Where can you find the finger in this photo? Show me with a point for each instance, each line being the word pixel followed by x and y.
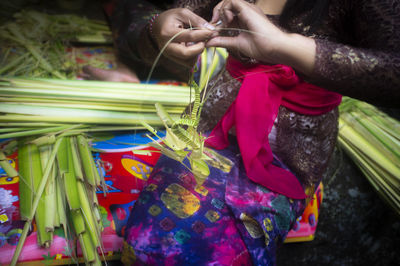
pixel 118 74
pixel 215 16
pixel 92 73
pixel 184 52
pixel 225 42
pixel 194 36
pixel 86 76
pixel 235 7
pixel 227 14
pixel 192 20
pixel 238 7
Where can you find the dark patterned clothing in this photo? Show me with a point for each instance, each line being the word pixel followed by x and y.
pixel 357 54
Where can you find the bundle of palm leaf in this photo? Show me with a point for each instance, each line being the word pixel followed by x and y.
pixel 372 139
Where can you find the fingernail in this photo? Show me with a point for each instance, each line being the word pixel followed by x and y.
pixel 208 26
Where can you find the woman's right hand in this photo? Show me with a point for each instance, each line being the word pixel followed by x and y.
pixel 185 47
pixel 260 39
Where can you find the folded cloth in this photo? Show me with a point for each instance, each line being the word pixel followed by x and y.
pixel 264 88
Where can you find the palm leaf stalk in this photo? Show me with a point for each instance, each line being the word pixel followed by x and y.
pixel 40 106
pixel 372 139
pixel 39 191
pixel 62 194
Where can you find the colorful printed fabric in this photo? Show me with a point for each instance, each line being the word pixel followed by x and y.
pixel 229 220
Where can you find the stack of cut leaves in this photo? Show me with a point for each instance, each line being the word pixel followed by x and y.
pixel 58 179
pixel 372 139
pixel 37 106
pixel 34 44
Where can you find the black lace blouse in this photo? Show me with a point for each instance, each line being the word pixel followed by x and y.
pixel 357 55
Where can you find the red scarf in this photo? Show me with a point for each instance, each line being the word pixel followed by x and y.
pixel 264 88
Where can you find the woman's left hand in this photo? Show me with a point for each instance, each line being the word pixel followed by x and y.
pixel 187 44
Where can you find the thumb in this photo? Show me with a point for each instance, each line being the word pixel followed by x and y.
pixel 215 15
pixel 192 19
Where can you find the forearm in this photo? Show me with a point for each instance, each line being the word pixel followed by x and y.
pixel 297 51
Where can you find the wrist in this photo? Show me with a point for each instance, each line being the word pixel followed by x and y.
pixel 278 50
pixel 297 51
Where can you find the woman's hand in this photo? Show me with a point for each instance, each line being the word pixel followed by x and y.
pixel 260 39
pixel 185 48
pixel 120 74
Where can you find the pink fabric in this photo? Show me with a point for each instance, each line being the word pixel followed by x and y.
pixel 264 88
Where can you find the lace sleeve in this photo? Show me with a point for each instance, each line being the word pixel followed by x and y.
pixel 369 68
